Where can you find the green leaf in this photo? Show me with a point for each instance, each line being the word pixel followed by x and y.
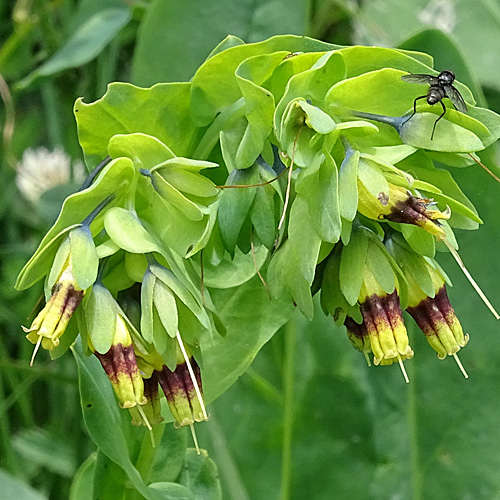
pixel 83 482
pixel 127 231
pixel 229 273
pixel 448 136
pixel 169 457
pixel 84 45
pixel 225 359
pixel 100 316
pixel 235 205
pixel 200 475
pixel 109 479
pixel 259 109
pixel 352 264
pixel 310 84
pixel 214 84
pixel 320 188
pixel 162 111
pixel 15 489
pixel 359 60
pixel 172 491
pixel 300 132
pixel 112 180
pixel 292 268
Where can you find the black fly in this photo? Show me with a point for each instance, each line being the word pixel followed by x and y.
pixel 440 87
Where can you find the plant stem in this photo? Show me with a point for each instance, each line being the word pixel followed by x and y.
pixel 416 475
pixel 52 113
pixel 228 469
pixel 288 410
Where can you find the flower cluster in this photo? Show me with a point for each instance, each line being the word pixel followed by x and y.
pixel 322 184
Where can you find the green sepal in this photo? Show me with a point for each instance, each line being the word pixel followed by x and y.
pixel 60 259
pixel 262 215
pixel 419 239
pixel 352 264
pixel 348 192
pixel 84 258
pixel 413 264
pixel 184 175
pixel 169 194
pixel 378 262
pixel 184 295
pixel 100 317
pixel 164 302
pixel 147 306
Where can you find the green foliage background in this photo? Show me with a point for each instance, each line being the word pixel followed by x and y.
pixel 308 419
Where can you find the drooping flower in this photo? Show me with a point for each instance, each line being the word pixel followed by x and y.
pixel 383 320
pixel 435 316
pixel 184 392
pixel 399 205
pixel 52 320
pixel 120 365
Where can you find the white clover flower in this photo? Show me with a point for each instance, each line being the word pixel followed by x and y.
pixel 41 170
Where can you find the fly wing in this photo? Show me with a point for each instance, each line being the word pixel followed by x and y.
pixel 420 78
pixel 456 98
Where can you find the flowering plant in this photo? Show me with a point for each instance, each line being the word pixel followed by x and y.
pixel 284 168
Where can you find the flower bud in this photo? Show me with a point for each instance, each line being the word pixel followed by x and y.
pixel 181 393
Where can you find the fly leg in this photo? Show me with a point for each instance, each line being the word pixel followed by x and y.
pixel 415 107
pixel 440 116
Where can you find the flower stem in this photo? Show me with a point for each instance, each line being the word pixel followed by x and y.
pixel 288 410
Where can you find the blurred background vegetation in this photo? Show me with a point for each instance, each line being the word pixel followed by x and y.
pixel 349 432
